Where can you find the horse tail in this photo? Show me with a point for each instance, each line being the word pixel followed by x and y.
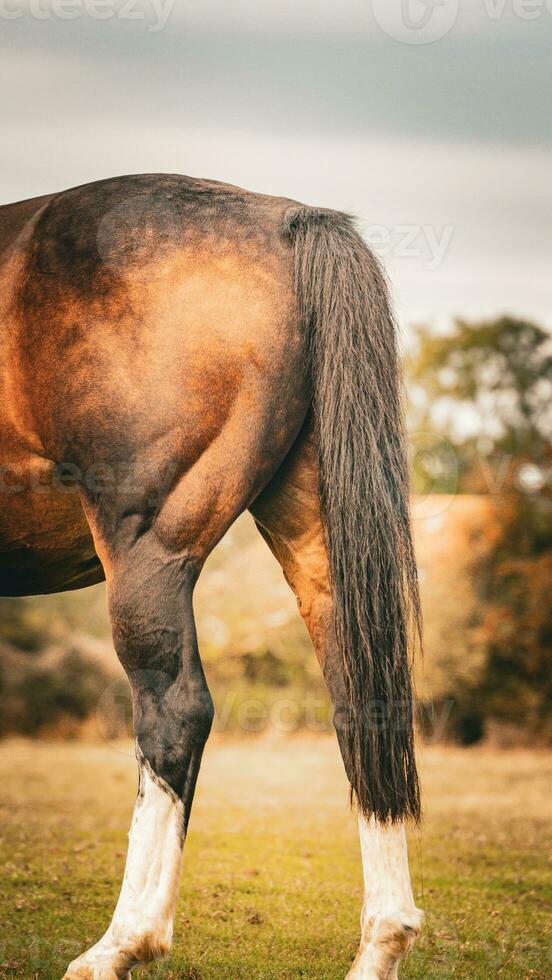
pixel 364 490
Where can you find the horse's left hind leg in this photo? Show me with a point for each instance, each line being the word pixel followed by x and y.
pixel 390 922
pixel 288 516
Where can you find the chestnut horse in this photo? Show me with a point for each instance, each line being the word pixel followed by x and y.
pixel 173 352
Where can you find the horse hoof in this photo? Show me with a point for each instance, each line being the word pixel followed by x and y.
pixel 84 971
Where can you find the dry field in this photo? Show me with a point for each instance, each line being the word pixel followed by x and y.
pixel 272 877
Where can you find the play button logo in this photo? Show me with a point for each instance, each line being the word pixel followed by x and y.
pixel 415 21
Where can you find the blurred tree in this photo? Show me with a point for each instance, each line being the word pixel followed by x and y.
pixel 25 624
pixel 32 623
pixel 515 585
pixel 38 693
pixel 482 398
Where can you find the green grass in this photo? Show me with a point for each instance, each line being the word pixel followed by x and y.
pixel 272 877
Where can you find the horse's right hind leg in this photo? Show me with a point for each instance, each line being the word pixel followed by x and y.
pixel 150 598
pixel 288 516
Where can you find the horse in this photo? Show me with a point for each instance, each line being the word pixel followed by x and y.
pixel 174 352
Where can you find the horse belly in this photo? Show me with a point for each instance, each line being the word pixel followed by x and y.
pixel 45 541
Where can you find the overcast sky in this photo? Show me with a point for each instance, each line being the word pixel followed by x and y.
pixel 437 135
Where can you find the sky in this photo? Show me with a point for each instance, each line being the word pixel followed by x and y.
pixel 428 119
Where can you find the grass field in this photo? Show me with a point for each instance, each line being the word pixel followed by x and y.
pixel 272 876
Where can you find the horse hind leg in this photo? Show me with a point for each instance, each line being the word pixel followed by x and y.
pixel 390 921
pixel 288 516
pixel 150 600
pixel 152 556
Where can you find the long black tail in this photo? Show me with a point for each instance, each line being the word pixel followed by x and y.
pixel 364 488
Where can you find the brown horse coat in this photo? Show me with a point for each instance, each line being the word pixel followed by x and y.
pixel 151 356
pixel 163 341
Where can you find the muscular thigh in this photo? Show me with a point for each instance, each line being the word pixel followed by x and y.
pixel 288 515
